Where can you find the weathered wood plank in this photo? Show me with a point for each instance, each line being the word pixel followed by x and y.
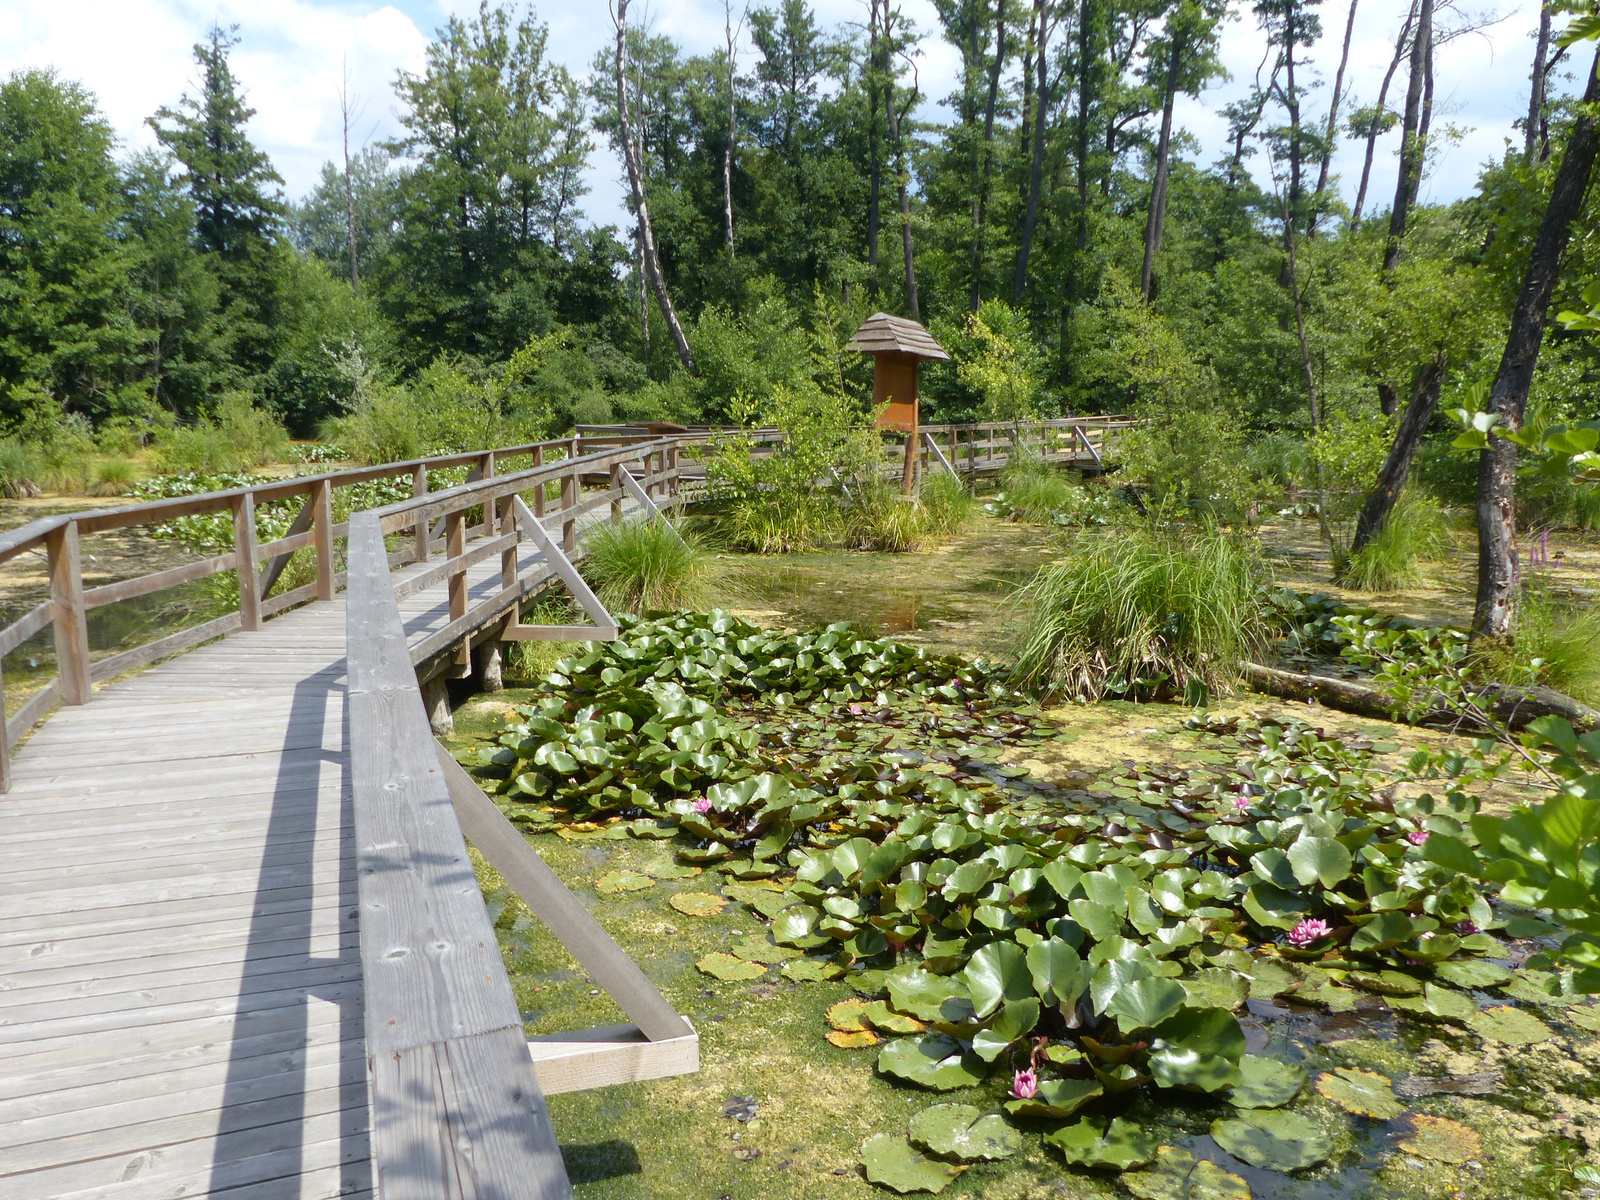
pixel 611 1054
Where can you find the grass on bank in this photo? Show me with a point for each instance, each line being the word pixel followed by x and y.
pixel 1145 608
pixel 640 566
pixel 1558 644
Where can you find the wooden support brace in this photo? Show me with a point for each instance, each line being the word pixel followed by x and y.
pixel 302 522
pixel 939 454
pixel 605 623
pixel 631 485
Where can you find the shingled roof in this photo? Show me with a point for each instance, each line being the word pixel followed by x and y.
pixel 883 334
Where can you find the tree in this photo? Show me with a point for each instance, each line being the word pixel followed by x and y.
pixel 1413 136
pixel 1043 19
pixel 1371 123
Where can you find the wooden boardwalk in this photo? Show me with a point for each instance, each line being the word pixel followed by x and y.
pixel 180 978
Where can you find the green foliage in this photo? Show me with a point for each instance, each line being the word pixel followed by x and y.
pixel 113 476
pixel 19 469
pixel 1415 534
pixel 237 436
pixel 880 517
pixel 1145 608
pixel 946 502
pixel 1558 643
pixel 1193 455
pixel 639 566
pixel 1005 367
pixel 1036 491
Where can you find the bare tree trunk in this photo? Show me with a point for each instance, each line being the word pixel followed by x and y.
pixel 980 204
pixel 1041 108
pixel 1085 83
pixel 349 187
pixel 1409 179
pixel 733 129
pixel 1541 49
pixel 903 172
pixel 1508 398
pixel 875 171
pixel 1156 217
pixel 1397 466
pixel 1332 131
pixel 630 157
pixel 1383 95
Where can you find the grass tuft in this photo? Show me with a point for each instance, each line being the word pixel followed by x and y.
pixel 1558 644
pixel 1036 489
pixel 19 469
pixel 773 529
pixel 1168 608
pixel 947 503
pixel 643 566
pixel 1415 535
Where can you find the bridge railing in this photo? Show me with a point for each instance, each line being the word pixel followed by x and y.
pixel 985 446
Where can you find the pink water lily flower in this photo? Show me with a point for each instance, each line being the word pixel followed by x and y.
pixel 1417 837
pixel 1026 1085
pixel 1242 802
pixel 1467 927
pixel 701 805
pixel 1313 929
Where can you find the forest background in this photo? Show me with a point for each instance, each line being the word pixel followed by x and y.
pixel 1057 233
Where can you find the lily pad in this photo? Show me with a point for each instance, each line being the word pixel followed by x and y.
pixel 727 967
pixel 766 901
pixel 699 904
pixel 1513 1026
pixel 881 1017
pixel 1585 1016
pixel 1472 973
pixel 811 970
pixel 613 882
pixel 895 1163
pixel 1279 1141
pixel 1442 1140
pixel 756 948
pixel 1440 1003
pixel 1267 1082
pixel 1216 987
pixel 1178 1175
pixel 1365 1093
pixel 963 1132
pixel 1145 1002
pixel 1056 1098
pixel 846 1015
pixel 936 1062
pixel 928 997
pixel 857 1039
pixel 1117 1146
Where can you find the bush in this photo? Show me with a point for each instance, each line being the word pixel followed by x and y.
pixel 768 528
pixel 1035 491
pixel 1143 609
pixel 113 477
pixel 19 469
pixel 880 517
pixel 1415 534
pixel 1558 643
pixel 236 437
pixel 946 501
pixel 642 566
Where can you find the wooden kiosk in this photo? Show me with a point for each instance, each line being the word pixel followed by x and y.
pixel 897 345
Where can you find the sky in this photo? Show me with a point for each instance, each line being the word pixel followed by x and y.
pixel 136 55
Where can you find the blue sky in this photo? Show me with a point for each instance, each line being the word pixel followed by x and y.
pixel 135 55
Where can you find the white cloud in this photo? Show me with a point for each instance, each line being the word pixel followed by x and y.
pixel 136 56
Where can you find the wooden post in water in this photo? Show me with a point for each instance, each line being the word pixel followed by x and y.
pixel 897 346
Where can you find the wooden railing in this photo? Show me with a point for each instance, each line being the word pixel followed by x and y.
pixel 983 447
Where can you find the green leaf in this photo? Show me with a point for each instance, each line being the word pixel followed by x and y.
pixel 1267 1082
pixel 727 967
pixel 1057 1098
pixel 996 973
pixel 1267 1137
pixel 1198 1049
pixel 1450 852
pixel 1365 1093
pixel 1384 931
pixel 963 1132
pixel 1059 974
pixel 1215 987
pixel 1472 972
pixel 1512 1026
pixel 797 926
pixel 1016 1020
pixel 1178 1175
pixel 1097 920
pixel 1319 860
pixel 1274 908
pixel 936 1062
pixel 1438 1002
pixel 894 1163
pixel 1117 1146
pixel 1144 1003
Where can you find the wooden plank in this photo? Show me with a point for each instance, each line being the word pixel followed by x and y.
pixel 452 567
pixel 595 1058
pixel 143 585
pixel 31 713
pixel 244 548
pixel 323 527
pixel 508 852
pixel 300 595
pixel 25 626
pixel 72 629
pixel 557 633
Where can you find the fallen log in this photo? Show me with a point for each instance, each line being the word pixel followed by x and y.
pixel 1515 706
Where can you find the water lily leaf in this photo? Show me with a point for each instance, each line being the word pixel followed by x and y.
pixel 1215 987
pixel 997 973
pixel 1384 931
pixel 852 1040
pixel 894 1163
pixel 756 948
pixel 1319 860
pixel 1513 1026
pixel 698 904
pixel 1198 1049
pixel 1442 1140
pixel 1016 1020
pixel 812 970
pixel 1178 1175
pixel 766 901
pixel 1585 1016
pixel 1118 1145
pixel 1269 1137
pixel 1386 983
pixel 1365 1093
pixel 1056 1098
pixel 1267 1082
pixel 848 1016
pixel 1097 920
pixel 1472 973
pixel 797 926
pixel 1273 907
pixel 1112 976
pixel 1438 1002
pixel 1144 1003
pixel 881 1017
pixel 928 997
pixel 963 1132
pixel 935 1061
pixel 1330 996
pixel 613 882
pixel 727 967
pixel 1059 974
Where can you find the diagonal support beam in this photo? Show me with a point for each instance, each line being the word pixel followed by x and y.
pixel 605 624
pixel 943 461
pixel 632 487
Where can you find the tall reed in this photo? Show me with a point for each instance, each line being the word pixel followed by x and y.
pixel 641 566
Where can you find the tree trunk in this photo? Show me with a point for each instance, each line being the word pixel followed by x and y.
pixel 1409 178
pixel 1397 466
pixel 875 169
pixel 980 205
pixel 350 200
pixel 903 173
pixel 1291 102
pixel 1383 95
pixel 647 237
pixel 1158 188
pixel 1332 131
pixel 1388 402
pixel 1497 466
pixel 1541 49
pixel 1085 85
pixel 733 130
pixel 1041 106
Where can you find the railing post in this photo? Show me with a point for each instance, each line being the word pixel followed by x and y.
pixel 244 553
pixel 569 501
pixel 419 487
pixel 69 615
pixel 455 546
pixel 322 538
pixel 538 491
pixel 616 486
pixel 672 465
pixel 486 471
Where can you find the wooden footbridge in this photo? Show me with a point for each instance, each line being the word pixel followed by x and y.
pixel 242 949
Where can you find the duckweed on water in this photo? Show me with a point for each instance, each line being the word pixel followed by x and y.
pixel 1074 961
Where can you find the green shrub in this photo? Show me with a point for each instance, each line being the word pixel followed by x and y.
pixel 19 469
pixel 946 502
pixel 1035 489
pixel 642 566
pixel 1415 534
pixel 767 528
pixel 1558 643
pixel 1145 608
pixel 235 437
pixel 113 477
pixel 880 517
